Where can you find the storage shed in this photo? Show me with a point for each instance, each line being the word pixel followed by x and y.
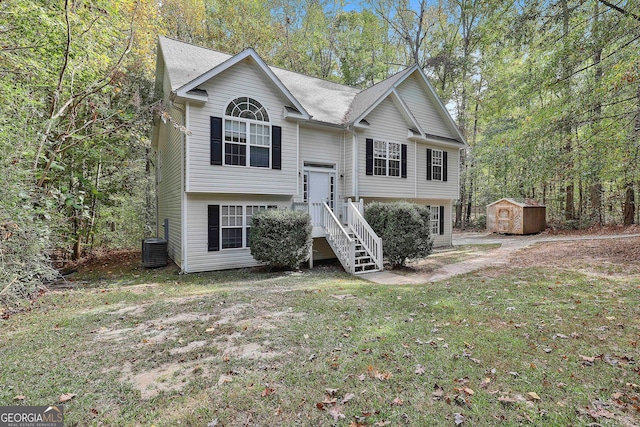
pixel 512 217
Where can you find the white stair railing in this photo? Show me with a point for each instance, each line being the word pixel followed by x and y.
pixel 342 244
pixel 364 233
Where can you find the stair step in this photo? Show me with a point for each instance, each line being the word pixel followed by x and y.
pixel 366 264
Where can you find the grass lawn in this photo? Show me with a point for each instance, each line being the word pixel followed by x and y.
pixel 515 346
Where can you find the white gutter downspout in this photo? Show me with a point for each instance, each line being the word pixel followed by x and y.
pixel 415 169
pixel 354 163
pixel 183 194
pixel 298 159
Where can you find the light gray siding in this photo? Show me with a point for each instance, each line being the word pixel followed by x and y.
pixel 438 189
pixel 198 257
pixel 440 240
pixel 416 96
pixel 322 145
pixel 244 79
pixel 169 190
pixel 387 124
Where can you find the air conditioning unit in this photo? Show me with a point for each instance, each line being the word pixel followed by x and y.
pixel 154 252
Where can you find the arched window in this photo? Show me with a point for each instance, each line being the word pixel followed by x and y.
pixel 246 123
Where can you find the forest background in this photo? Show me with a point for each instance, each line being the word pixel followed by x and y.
pixel 547 93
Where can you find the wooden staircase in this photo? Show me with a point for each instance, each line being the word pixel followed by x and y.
pixel 363 261
pixel 356 245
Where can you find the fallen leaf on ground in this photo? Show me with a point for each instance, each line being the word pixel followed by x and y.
pixel 347 397
pixel 397 402
pixel 267 392
pixel 336 413
pixel 458 418
pixel 586 360
pixel 331 391
pixel 468 391
pixel 600 413
pixel 419 370
pixel 437 393
pixel 19 397
pixel 382 375
pixel 66 397
pixel 533 395
pixel 506 399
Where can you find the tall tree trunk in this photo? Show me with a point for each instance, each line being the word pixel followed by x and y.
pixel 595 190
pixel 629 208
pixel 569 207
pixel 629 199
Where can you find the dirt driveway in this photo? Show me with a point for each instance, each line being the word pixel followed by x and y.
pixel 620 251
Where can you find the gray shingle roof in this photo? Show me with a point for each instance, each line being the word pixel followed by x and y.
pixel 325 101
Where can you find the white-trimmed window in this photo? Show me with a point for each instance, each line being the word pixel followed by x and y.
pixel 436 165
pixel 247 134
pixel 231 226
pixel 386 158
pixel 235 224
pixel 435 220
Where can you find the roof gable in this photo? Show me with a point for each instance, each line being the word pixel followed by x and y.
pixel 370 98
pixel 528 203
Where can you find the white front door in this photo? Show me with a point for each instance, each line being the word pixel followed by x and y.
pixel 319 190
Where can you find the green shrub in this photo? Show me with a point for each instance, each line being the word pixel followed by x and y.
pixel 281 238
pixel 404 227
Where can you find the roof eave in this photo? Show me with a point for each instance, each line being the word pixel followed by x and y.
pixel 249 53
pixel 450 122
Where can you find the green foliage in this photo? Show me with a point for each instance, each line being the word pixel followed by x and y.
pixel 281 238
pixel 404 227
pixel 25 237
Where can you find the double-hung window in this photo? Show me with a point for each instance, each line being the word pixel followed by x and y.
pixel 386 158
pixel 435 220
pixel 230 225
pixel 247 134
pixel 436 165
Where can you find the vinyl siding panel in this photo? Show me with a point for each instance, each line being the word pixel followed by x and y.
pixel 319 145
pixel 244 79
pixel 387 124
pixel 199 258
pixel 169 187
pixel 438 189
pixel 414 93
pixel 443 240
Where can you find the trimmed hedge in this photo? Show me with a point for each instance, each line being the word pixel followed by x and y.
pixel 404 227
pixel 281 238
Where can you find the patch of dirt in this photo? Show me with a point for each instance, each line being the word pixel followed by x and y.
pixel 232 330
pixel 112 263
pixel 611 255
pixel 169 376
pixel 592 231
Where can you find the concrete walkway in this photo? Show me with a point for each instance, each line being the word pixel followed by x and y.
pixel 494 258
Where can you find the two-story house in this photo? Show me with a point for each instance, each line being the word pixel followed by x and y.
pixel 241 136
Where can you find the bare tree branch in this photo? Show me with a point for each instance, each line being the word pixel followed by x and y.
pixel 621 10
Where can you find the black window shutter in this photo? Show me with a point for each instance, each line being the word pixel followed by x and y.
pixel 441 220
pixel 276 147
pixel 213 220
pixel 429 164
pixel 369 156
pixel 403 161
pixel 216 140
pixel 444 165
